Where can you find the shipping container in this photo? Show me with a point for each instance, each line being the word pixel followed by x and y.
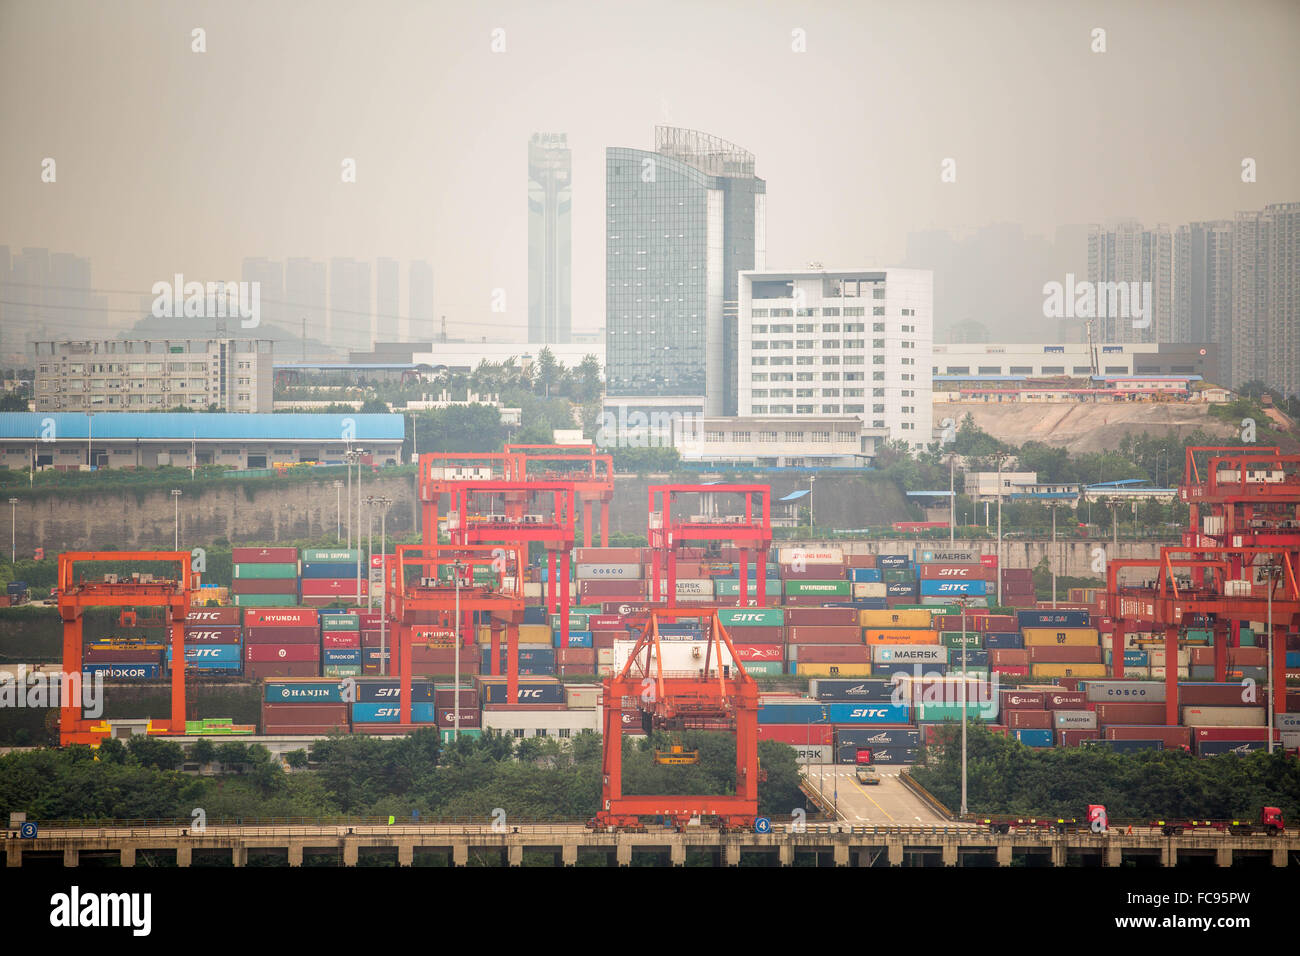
pixel 263 571
pixel 823 669
pixel 264 556
pixel 1151 692
pixel 885 756
pixel 870 738
pixel 1223 716
pixel 807 735
pixel 1067 670
pixel 829 654
pixel 1215 748
pixel 1051 619
pixel 895 619
pixel 213 635
pixel 1128 713
pixel 945 556
pixel 745 618
pixel 1016 699
pixel 1035 738
pixel 1025 719
pixel 818 588
pixel 901 636
pixel 760 652
pixel 609 556
pixel 1003 640
pixel 865 575
pixel 282 617
pixel 867 713
pixel 851 690
pixel 282 635
pixel 910 654
pixel 317 713
pixel 975 588
pixel 952 572
pixel 266 586
pixel 422 713
pixel 794 556
pixel 1074 719
pixel 985 709
pixel 216 617
pixel 1009 657
pixel 124 671
pixel 263 653
pixel 1046 654
pixel 821 617
pixel 730 587
pixel 851 634
pixel 1063 636
pixel 263 670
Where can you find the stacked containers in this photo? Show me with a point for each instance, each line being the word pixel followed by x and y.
pixel 758 634
pixel 265 577
pixel 1017 587
pixel 1061 644
pixel 330 576
pixel 123 660
pixel 213 640
pixel 609 574
pixel 378 704
pixel 281 643
pixel 1220 720
pixel 304 707
pixel 471 717
pixel 340 640
pixel 826 642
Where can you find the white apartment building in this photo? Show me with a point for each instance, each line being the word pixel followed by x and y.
pixel 153 375
pixel 818 441
pixel 817 343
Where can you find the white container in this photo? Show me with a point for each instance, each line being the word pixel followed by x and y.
pixel 1224 717
pixel 678 656
pixel 604 572
pixel 868 589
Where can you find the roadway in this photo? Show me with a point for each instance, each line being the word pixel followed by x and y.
pixel 887 803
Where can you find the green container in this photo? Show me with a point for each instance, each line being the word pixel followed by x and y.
pixel 730 587
pixel 751 617
pixel 263 571
pixel 448 733
pixel 341 670
pixel 818 588
pixel 330 555
pixel 577 621
pixel 266 600
pixel 340 622
pixel 1248 638
pixel 764 668
pixel 985 710
pixel 954 639
pixel 483 573
pixel 898 575
pixel 981 672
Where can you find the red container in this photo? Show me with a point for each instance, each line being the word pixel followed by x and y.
pixel 214 616
pixel 213 635
pixel 281 617
pixel 263 555
pixel 1130 714
pixel 340 639
pixel 757 635
pixel 952 572
pixel 368 618
pixel 627 589
pixel 1013 699
pixel 992 622
pixel 1050 654
pixel 833 653
pixel 605 622
pixel 301 730
pixel 575 656
pixel 989 560
pixel 263 653
pixel 1009 656
pixel 318 714
pixel 333 587
pixel 820 617
pixel 1028 719
pixel 823 635
pixel 811 572
pixel 264 586
pixel 608 556
pixel 281 635
pixel 1212 695
pixel 263 670
pixel 445 656
pixel 760 652
pixel 606 639
pixel 1073 738
pixel 1054 699
pixel 798 735
pixel 446 697
pixel 1174 738
pixel 468 718
pixel 1012 670
pixel 1233 733
pixel 1248 657
pixel 859 560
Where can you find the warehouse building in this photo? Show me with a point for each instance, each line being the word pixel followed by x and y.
pixel 78 441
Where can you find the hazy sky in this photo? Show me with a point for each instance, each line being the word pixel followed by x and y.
pixel 174 161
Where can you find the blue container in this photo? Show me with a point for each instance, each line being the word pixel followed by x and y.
pixel 124 671
pixel 1215 748
pixel 1003 640
pixel 319 569
pixel 870 713
pixel 1136 659
pixel 1052 618
pixel 861 604
pixel 811 712
pixel 901 589
pixel 387 690
pixel 1293 658
pixel 303 692
pixel 938 588
pixel 865 575
pixel 371 656
pixel 886 737
pixel 576 639
pixel 887 670
pixel 341 655
pixel 1035 738
pixel 975 657
pixel 839 688
pixel 893 561
pixel 879 755
pixel 536 614
pixel 529 692
pixel 207 654
pixel 421 713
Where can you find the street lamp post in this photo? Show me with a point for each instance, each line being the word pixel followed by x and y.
pixel 1054 556
pixel 963 703
pixel 13 531
pixel 1273 570
pixel 358 453
pixel 456 568
pixel 347 460
pixel 338 509
pixel 176 519
pixel 90 445
pixel 1001 458
pixel 952 501
pixel 371 503
pixel 382 502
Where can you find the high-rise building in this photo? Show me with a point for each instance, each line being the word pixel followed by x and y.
pixel 47 294
pixel 420 288
pixel 550 253
pixel 386 300
pixel 819 342
pixel 1266 297
pixel 305 299
pixel 270 278
pixel 681 223
pixel 1128 253
pixel 1203 286
pixel 350 310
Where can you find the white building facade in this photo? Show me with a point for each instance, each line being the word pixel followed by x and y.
pixel 818 343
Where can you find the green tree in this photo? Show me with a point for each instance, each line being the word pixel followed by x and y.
pixel 153 752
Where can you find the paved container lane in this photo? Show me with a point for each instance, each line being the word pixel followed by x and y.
pixel 888 803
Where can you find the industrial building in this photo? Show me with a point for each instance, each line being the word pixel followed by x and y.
pixel 833 441
pixel 984 360
pixel 75 441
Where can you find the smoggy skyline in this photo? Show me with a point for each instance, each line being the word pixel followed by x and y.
pixel 169 160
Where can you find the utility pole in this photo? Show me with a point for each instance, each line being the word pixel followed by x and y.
pixel 359 452
pixel 1272 571
pixel 952 501
pixel 13 531
pixel 963 701
pixel 1001 458
pixel 382 502
pixel 456 569
pixel 1054 556
pixel 176 517
pixel 338 509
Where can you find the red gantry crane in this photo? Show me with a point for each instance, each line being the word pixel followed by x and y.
pixel 751 532
pixel 590 472
pixel 681 685
pixel 422 599
pixel 172 595
pixel 441 472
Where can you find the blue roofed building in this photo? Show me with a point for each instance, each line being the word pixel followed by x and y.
pixel 75 440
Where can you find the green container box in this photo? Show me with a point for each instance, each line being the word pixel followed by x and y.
pixel 263 571
pixel 954 639
pixel 577 621
pixel 898 575
pixel 341 670
pixel 818 588
pixel 730 587
pixel 980 672
pixel 985 710
pixel 1248 638
pixel 340 622
pixel 448 733
pixel 330 555
pixel 483 573
pixel 266 600
pixel 740 618
pixel 764 668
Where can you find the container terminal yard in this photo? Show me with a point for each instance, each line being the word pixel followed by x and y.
pixel 506 624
